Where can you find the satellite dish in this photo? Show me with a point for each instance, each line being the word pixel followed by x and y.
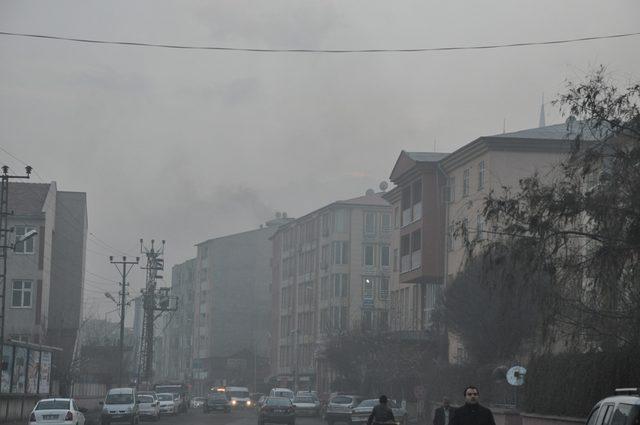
pixel 383 185
pixel 515 375
pixel 370 192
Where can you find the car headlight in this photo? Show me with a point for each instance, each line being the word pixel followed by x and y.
pixel 233 402
pixel 248 402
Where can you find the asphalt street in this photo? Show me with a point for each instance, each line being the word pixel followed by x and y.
pixel 242 417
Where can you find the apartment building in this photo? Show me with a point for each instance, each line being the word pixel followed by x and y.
pixel 176 330
pixel 232 305
pixel 45 274
pixel 418 238
pixel 331 275
pixel 491 164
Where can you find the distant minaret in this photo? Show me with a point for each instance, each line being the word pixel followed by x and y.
pixel 541 123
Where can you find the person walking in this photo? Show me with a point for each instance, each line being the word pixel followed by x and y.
pixel 444 413
pixel 472 413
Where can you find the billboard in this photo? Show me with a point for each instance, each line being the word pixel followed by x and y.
pixel 19 378
pixel 33 369
pixel 45 372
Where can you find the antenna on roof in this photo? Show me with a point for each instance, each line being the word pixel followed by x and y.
pixel 542 121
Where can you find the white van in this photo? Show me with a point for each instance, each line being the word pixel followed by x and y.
pixel 120 405
pixel 282 392
pixel 238 396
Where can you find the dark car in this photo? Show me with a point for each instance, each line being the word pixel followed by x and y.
pixel 278 410
pixel 216 402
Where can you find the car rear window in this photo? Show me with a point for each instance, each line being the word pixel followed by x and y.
pixel 304 400
pixel 341 400
pixel 165 397
pixel 53 405
pixel 278 401
pixel 119 399
pixel 625 414
pixel 145 399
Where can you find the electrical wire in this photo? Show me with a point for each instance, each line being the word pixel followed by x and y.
pixel 330 51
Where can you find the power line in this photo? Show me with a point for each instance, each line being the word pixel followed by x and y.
pixel 339 51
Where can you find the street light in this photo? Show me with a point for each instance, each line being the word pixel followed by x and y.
pixel 23 238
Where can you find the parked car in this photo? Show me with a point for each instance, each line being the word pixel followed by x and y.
pixel 621 409
pixel 57 411
pixel 198 402
pixel 279 410
pixel 282 392
pixel 360 413
pixel 340 407
pixel 216 402
pixel 167 404
pixel 148 407
pixel 306 406
pixel 239 397
pixel 120 405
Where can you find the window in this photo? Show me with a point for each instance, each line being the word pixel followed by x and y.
pixel 416 197
pixel 625 414
pixel 340 286
pixel 383 320
pixel 340 252
pixel 406 205
pixel 396 217
pixel 465 227
pixel 395 259
pixel 22 293
pixel 325 224
pixel 384 256
pixel 367 288
pixel 450 238
pixel 386 222
pixel 25 247
pixel 481 175
pixel 339 223
pixel 480 227
pixel 384 288
pixel 324 288
pixel 405 253
pixel 465 182
pixel 451 189
pixel 204 251
pixel 369 223
pixel 367 320
pixel 416 249
pixel 369 255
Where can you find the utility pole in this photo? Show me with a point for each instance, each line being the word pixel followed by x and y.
pixel 4 234
pixel 124 269
pixel 151 305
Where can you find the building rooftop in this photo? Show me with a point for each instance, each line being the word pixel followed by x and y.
pixel 368 199
pixel 27 198
pixel 566 131
pixel 426 156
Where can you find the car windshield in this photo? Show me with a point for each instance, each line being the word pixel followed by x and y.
pixel 145 399
pixel 626 414
pixel 217 396
pixel 341 400
pixel 278 401
pixel 304 400
pixel 287 394
pixel 239 394
pixel 53 405
pixel 119 399
pixel 165 397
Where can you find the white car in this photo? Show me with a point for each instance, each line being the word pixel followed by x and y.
pixel 148 407
pixel 306 406
pixel 167 404
pixel 54 411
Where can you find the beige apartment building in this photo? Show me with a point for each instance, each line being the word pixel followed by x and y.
pixel 490 164
pixel 331 272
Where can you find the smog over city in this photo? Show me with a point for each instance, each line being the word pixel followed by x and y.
pixel 333 198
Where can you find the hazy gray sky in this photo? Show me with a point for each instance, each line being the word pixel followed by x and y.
pixel 189 145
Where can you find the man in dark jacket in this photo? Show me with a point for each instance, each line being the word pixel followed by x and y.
pixel 381 412
pixel 443 414
pixel 472 413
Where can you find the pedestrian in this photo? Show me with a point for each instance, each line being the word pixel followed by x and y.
pixel 444 413
pixel 472 413
pixel 382 413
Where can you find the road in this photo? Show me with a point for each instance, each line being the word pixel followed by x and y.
pixel 242 417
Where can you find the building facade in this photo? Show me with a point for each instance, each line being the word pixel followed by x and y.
pixel 331 271
pixel 491 164
pixel 419 223
pixel 176 330
pixel 232 306
pixel 45 274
